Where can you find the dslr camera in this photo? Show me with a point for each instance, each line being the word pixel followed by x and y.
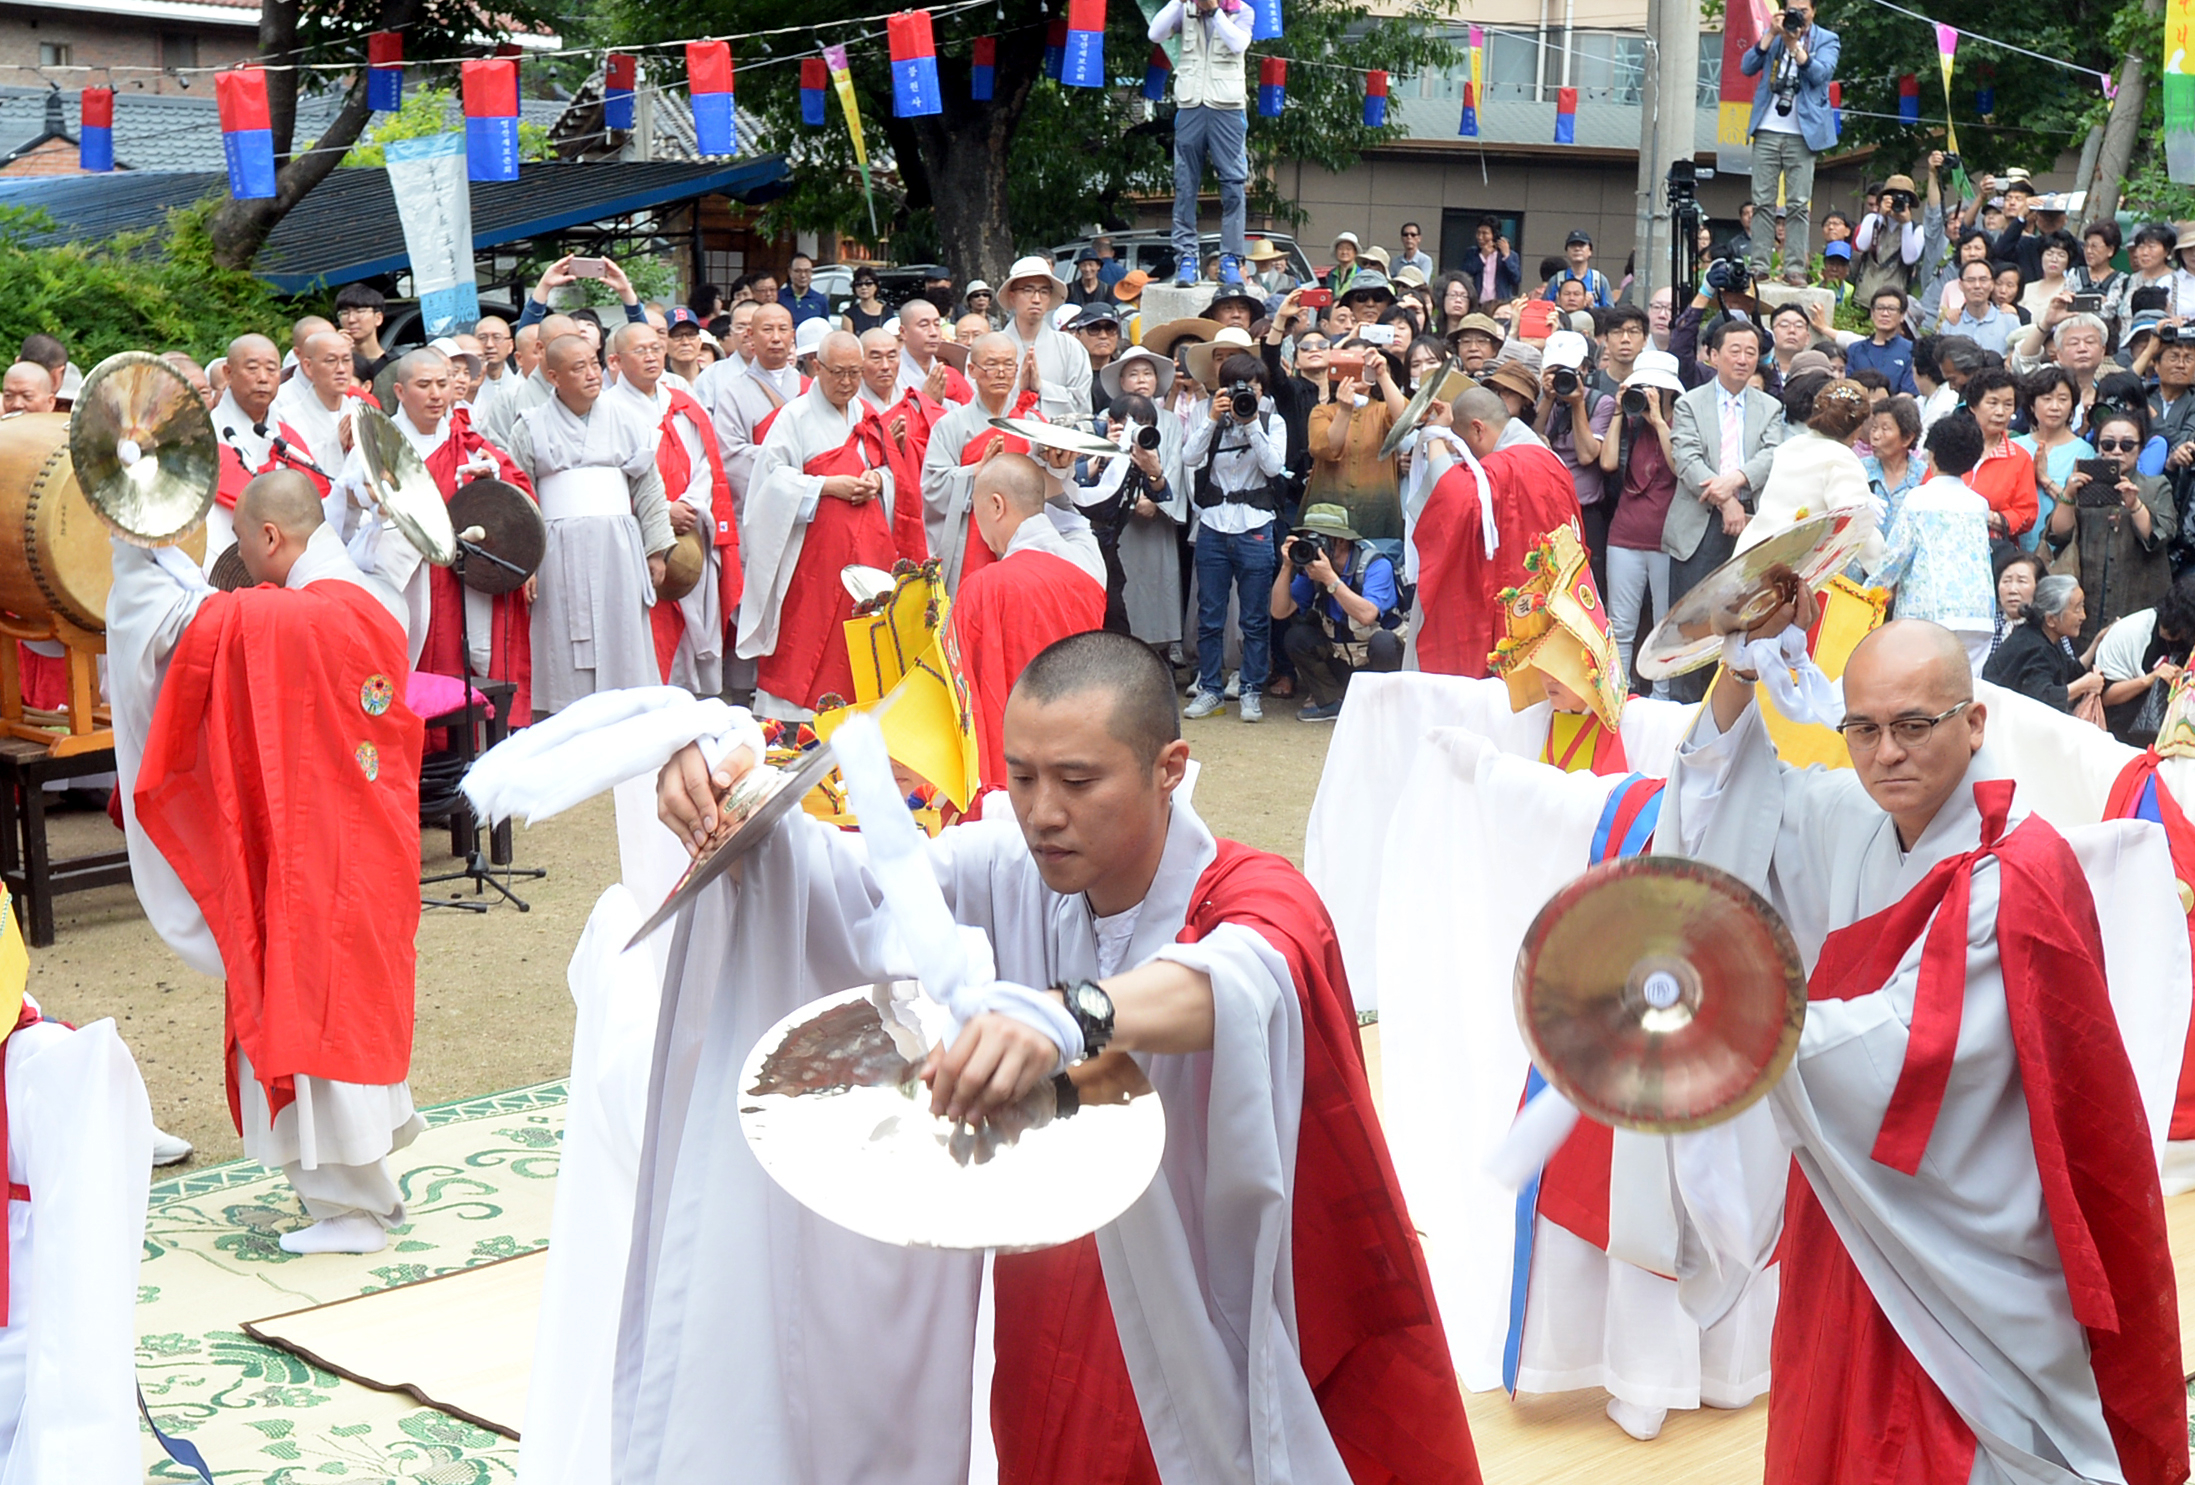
pixel 1305 550
pixel 1729 276
pixel 1794 21
pixel 1951 163
pixel 1897 201
pixel 1240 399
pixel 1564 381
pixel 1146 437
pixel 1634 402
pixel 2168 335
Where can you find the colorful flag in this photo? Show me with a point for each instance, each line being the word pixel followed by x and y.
pixel 1741 31
pixel 247 136
pixel 95 130
pixel 1947 46
pixel 1375 99
pixel 1272 86
pixel 2179 91
pixel 1468 126
pixel 1909 99
pixel 1836 106
pixel 1265 21
pixel 914 65
pixel 619 72
pixel 1566 115
pixel 490 86
pixel 982 73
pixel 1985 101
pixel 814 78
pixel 1154 75
pixel 1084 64
pixel 709 84
pixel 1055 48
pixel 385 71
pixel 1478 60
pixel 434 206
pixel 842 79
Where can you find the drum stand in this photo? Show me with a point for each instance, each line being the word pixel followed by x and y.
pixel 476 869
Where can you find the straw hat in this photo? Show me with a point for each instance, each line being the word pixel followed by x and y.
pixel 1264 251
pixel 1206 357
pixel 1169 335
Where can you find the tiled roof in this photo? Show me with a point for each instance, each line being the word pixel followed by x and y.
pixel 175 131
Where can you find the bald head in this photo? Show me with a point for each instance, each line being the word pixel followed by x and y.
pixel 553 326
pixel 1119 669
pixel 26 388
pixel 324 360
pixel 1479 415
pixel 770 336
pixel 564 351
pixel 570 366
pixel 305 329
pixel 254 375
pixel 880 363
pixel 1927 659
pixel 1913 676
pixel 838 366
pixel 1015 478
pixel 526 349
pixel 276 515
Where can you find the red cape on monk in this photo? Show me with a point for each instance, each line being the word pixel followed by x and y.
pixel 1367 1329
pixel 2139 793
pixel 281 781
pixel 810 660
pixel 974 554
pixel 510 630
pixel 666 620
pixel 1459 586
pixel 1851 1404
pixel 1002 616
pixel 234 476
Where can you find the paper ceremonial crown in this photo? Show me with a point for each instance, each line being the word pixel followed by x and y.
pixel 1557 624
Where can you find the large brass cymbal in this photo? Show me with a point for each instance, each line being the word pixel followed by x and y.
pixel 143 448
pixel 511 528
pixel 1445 383
pixel 1748 588
pixel 834 1110
pixel 1660 994
pixel 406 492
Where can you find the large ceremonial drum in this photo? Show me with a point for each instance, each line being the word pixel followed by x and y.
pixel 54 558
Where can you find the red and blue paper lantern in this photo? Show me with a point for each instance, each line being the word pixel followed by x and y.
pixel 983 69
pixel 95 130
pixel 815 78
pixel 385 71
pixel 1272 86
pixel 1155 73
pixel 619 72
pixel 491 118
pixel 1375 99
pixel 1909 99
pixel 1055 48
pixel 709 84
pixel 1985 100
pixel 1566 115
pixel 1836 106
pixel 1265 20
pixel 1084 64
pixel 247 134
pixel 1468 126
pixel 914 65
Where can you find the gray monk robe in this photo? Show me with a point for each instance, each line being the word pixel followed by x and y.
pixel 603 501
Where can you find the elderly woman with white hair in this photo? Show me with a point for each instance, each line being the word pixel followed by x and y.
pixel 2037 657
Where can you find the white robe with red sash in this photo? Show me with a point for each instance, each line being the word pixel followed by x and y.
pixel 795 543
pixel 247 450
pixel 740 400
pixel 1974 1112
pixel 689 635
pixel 949 463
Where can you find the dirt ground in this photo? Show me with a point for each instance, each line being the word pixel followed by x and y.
pixel 493 1010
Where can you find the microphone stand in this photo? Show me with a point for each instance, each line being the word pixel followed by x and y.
pixel 476 869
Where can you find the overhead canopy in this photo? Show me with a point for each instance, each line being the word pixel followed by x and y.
pixel 347 228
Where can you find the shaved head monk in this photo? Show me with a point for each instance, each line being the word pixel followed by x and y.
pixel 253 436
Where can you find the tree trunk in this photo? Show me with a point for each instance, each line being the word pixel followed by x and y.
pixel 2121 132
pixel 964 156
pixel 240 228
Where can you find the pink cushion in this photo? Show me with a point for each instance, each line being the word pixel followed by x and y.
pixel 430 695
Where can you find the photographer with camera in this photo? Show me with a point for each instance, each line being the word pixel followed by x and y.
pixel 1791 124
pixel 1235 456
pixel 1210 126
pixel 1345 430
pixel 1339 618
pixel 2118 522
pixel 1134 505
pixel 1572 417
pixel 1891 242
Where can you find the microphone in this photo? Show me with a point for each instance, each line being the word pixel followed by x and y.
pixel 282 447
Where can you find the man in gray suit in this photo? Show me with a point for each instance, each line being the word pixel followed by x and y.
pixel 1724 436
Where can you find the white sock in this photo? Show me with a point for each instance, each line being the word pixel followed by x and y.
pixel 353 1232
pixel 1641 1423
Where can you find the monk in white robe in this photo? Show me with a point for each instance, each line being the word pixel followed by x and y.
pixel 1989 1295
pixel 959 442
pixel 332 1140
pixel 743 396
pixel 593 467
pixel 1049 362
pixel 318 400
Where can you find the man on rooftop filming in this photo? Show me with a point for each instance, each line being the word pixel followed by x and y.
pixel 1792 123
pixel 1209 124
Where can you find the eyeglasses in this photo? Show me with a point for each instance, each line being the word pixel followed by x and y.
pixel 1909 732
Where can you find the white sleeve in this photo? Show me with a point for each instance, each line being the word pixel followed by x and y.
pixel 2119 657
pixel 1167 21
pixel 1233 31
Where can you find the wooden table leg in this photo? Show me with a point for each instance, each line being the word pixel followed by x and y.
pixel 37 868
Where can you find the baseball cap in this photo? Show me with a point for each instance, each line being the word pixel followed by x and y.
pixel 680 317
pixel 1564 348
pixel 1578 237
pixel 1092 314
pixel 1837 250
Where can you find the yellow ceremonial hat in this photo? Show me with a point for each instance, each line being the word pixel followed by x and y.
pixel 903 647
pixel 14 966
pixel 1557 625
pixel 2176 736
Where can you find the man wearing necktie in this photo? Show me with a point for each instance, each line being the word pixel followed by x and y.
pixel 1724 436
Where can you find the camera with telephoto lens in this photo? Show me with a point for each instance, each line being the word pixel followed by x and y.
pixel 1634 402
pixel 1794 20
pixel 1563 380
pixel 1305 550
pixel 1147 437
pixel 1897 201
pixel 1729 276
pixel 1241 400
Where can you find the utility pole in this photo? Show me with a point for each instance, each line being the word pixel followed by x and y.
pixel 2122 130
pixel 643 141
pixel 1668 121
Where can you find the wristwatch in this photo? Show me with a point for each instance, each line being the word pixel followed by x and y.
pixel 1092 1010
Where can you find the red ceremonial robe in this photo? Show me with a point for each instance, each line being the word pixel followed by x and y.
pixel 510 630
pixel 289 807
pixel 666 620
pixel 2139 793
pixel 1367 1329
pixel 1851 1404
pixel 234 476
pixel 1459 586
pixel 1002 617
pixel 975 554
pixel 810 661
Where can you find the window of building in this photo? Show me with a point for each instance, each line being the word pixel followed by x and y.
pixel 178 49
pixel 1710 71
pixel 53 54
pixel 1459 232
pixel 1512 66
pixel 1605 66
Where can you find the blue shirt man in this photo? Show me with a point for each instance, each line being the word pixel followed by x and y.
pixel 1792 123
pixel 1888 351
pixel 799 294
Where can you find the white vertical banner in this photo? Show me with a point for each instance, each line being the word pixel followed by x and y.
pixel 434 202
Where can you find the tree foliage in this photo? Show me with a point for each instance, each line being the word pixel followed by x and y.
pixel 1069 157
pixel 142 291
pixel 429 111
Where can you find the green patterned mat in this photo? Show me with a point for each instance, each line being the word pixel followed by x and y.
pixel 477 1186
